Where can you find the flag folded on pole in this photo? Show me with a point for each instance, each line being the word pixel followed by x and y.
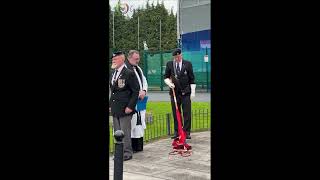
pixel 179 144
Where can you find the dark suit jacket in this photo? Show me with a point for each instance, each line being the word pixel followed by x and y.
pixel 124 93
pixel 183 80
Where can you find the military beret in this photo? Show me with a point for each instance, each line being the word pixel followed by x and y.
pixel 176 52
pixel 117 54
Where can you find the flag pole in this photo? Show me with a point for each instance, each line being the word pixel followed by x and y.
pixel 160 34
pixel 138 33
pixel 113 30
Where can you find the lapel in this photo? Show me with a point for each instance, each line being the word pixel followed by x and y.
pixel 111 77
pixel 175 73
pixel 110 80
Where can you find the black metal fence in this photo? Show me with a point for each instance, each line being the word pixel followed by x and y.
pixel 161 126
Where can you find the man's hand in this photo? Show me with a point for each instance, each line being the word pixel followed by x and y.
pixel 142 94
pixel 127 110
pixel 169 83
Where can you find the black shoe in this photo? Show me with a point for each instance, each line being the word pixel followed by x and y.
pixel 126 158
pixel 188 136
pixel 174 136
pixel 136 151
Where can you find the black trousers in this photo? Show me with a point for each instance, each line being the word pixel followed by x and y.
pixel 137 144
pixel 185 103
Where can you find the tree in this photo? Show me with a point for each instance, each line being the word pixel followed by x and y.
pixel 126 28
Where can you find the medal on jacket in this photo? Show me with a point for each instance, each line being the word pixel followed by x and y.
pixel 121 83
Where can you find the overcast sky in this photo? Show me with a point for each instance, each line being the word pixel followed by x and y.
pixel 141 3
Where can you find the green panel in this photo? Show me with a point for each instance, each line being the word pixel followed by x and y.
pixel 154 70
pixel 154 74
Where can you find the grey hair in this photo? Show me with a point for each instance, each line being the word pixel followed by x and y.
pixel 131 52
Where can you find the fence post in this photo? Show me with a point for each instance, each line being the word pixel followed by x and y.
pixel 168 124
pixel 118 156
pixel 161 69
pixel 207 71
pixel 145 61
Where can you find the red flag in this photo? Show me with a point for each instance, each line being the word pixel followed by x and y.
pixel 179 144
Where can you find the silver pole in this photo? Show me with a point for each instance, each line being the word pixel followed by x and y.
pixel 160 34
pixel 138 33
pixel 113 29
pixel 178 19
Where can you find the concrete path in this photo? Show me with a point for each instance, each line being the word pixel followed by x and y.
pixel 164 96
pixel 201 96
pixel 154 163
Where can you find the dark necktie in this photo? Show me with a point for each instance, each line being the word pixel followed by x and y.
pixel 178 68
pixel 115 77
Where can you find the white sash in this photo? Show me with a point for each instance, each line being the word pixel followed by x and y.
pixel 139 80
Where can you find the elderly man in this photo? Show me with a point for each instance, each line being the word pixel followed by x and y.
pixel 179 76
pixel 124 95
pixel 138 123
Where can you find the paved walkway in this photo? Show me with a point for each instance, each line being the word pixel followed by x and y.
pixel 154 162
pixel 201 96
pixel 164 96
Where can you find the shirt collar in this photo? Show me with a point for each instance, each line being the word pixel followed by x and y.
pixel 180 63
pixel 120 68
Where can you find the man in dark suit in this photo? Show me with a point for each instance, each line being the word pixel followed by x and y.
pixel 179 76
pixel 124 95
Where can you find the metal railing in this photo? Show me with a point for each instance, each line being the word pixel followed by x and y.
pixel 162 126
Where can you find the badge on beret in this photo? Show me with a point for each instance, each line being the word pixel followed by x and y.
pixel 176 52
pixel 121 83
pixel 117 54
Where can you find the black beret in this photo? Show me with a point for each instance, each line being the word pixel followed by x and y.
pixel 176 52
pixel 117 54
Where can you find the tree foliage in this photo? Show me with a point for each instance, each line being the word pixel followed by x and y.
pixel 126 28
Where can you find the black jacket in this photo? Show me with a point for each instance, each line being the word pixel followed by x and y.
pixel 124 93
pixel 183 80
